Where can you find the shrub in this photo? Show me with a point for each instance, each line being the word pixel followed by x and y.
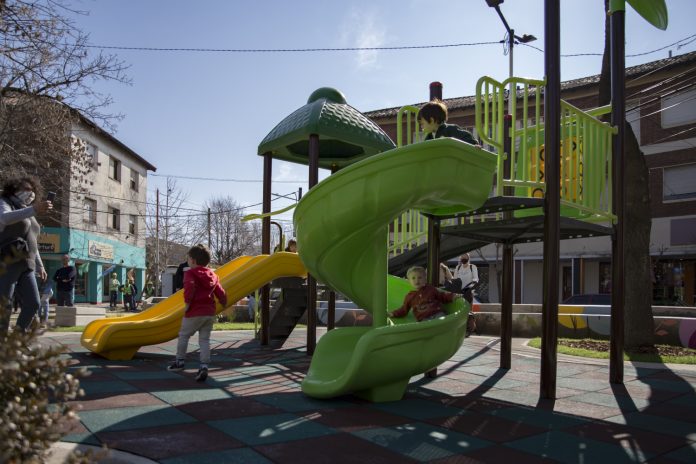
pixel 33 394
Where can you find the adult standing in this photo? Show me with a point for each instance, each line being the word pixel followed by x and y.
pixel 19 252
pixel 179 276
pixel 468 274
pixel 65 283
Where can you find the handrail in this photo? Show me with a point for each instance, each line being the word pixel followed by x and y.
pixel 410 111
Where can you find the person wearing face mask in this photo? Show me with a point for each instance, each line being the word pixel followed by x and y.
pixel 19 253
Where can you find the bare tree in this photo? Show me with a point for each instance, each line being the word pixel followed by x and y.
pixel 178 226
pixel 230 237
pixel 46 74
pixel 639 327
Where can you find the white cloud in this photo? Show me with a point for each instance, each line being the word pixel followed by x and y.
pixel 362 29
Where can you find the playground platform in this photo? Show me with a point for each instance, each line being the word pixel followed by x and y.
pixel 251 410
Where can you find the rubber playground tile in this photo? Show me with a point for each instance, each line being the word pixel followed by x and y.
pixel 146 375
pixel 639 390
pixel 577 383
pixel 132 418
pixel 237 456
pixel 181 382
pixel 261 390
pixel 341 448
pixel 487 427
pixel 298 401
pixel 81 438
pixel 629 437
pixel 496 454
pixel 566 447
pixel 657 424
pixel 674 385
pixel 422 442
pixel 540 417
pixel 672 411
pixel 229 408
pixel 625 403
pixel 524 398
pixel 108 401
pixel 684 454
pixel 191 396
pixel 354 418
pixel 684 400
pixel 417 409
pixel 169 441
pixel 92 388
pixel 259 430
pixel 586 410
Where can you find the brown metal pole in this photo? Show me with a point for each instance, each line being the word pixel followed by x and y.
pixel 508 264
pixel 311 281
pixel 331 323
pixel 552 200
pixel 266 248
pixel 618 118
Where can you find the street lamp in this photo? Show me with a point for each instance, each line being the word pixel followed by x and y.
pixel 511 38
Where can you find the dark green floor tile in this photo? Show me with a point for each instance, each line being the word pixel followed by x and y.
pixel 539 417
pixel 237 456
pixel 132 418
pixel 192 396
pixel 106 386
pixel 417 409
pixel 644 421
pixel 626 403
pixel 258 430
pixel 685 454
pixel 146 375
pixel 422 442
pixel 572 449
pixel 83 438
pixel 296 402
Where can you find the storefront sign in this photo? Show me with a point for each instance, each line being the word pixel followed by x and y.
pixel 48 243
pixel 100 250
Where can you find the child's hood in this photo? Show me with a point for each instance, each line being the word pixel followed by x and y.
pixel 204 277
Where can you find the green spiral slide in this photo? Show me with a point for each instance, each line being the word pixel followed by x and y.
pixel 342 227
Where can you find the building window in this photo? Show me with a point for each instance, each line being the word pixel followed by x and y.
pixel 115 218
pixel 92 153
pixel 134 180
pixel 678 182
pixel 114 169
pixel 133 225
pixel 90 211
pixel 679 109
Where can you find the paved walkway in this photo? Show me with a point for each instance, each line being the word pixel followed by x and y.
pixel 251 410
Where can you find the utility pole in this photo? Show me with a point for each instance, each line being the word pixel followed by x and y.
pixel 210 245
pixel 158 287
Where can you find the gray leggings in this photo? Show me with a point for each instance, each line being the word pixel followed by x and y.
pixel 189 326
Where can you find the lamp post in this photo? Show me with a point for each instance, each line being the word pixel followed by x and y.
pixel 511 38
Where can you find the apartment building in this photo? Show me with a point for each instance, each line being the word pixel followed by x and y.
pixel 661 104
pixel 102 225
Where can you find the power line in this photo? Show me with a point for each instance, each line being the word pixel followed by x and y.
pixel 286 50
pixel 219 179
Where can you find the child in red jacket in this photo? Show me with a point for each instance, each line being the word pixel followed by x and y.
pixel 201 287
pixel 425 300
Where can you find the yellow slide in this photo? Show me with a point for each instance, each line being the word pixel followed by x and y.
pixel 120 338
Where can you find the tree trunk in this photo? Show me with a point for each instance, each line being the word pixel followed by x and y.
pixel 639 326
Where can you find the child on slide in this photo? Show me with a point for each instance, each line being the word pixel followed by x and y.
pixel 432 117
pixel 425 300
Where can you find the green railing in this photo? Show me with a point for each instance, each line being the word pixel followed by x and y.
pixel 585 168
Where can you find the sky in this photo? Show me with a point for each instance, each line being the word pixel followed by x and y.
pixel 203 114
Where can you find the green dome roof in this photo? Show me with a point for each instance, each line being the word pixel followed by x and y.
pixel 345 134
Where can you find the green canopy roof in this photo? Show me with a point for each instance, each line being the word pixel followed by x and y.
pixel 345 134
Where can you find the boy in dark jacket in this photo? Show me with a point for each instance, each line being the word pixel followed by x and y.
pixel 201 288
pixel 432 117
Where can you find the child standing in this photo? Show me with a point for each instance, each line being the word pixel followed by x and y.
pixel 201 287
pixel 425 300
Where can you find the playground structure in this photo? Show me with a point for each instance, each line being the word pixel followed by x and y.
pixel 343 223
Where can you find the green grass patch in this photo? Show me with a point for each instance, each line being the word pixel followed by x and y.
pixel 599 349
pixel 74 328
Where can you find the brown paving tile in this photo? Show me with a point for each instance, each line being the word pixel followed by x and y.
pixel 477 404
pixel 255 390
pixel 228 408
pixel 642 391
pixel 487 427
pixel 629 437
pixel 110 400
pixel 71 426
pixel 592 411
pixel 333 449
pixel 496 454
pixel 358 418
pixel 169 440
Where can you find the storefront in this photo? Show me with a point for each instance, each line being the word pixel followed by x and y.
pixel 95 258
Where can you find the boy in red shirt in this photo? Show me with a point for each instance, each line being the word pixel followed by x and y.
pixel 201 287
pixel 425 300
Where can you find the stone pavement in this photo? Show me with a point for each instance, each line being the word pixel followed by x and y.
pixel 251 410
